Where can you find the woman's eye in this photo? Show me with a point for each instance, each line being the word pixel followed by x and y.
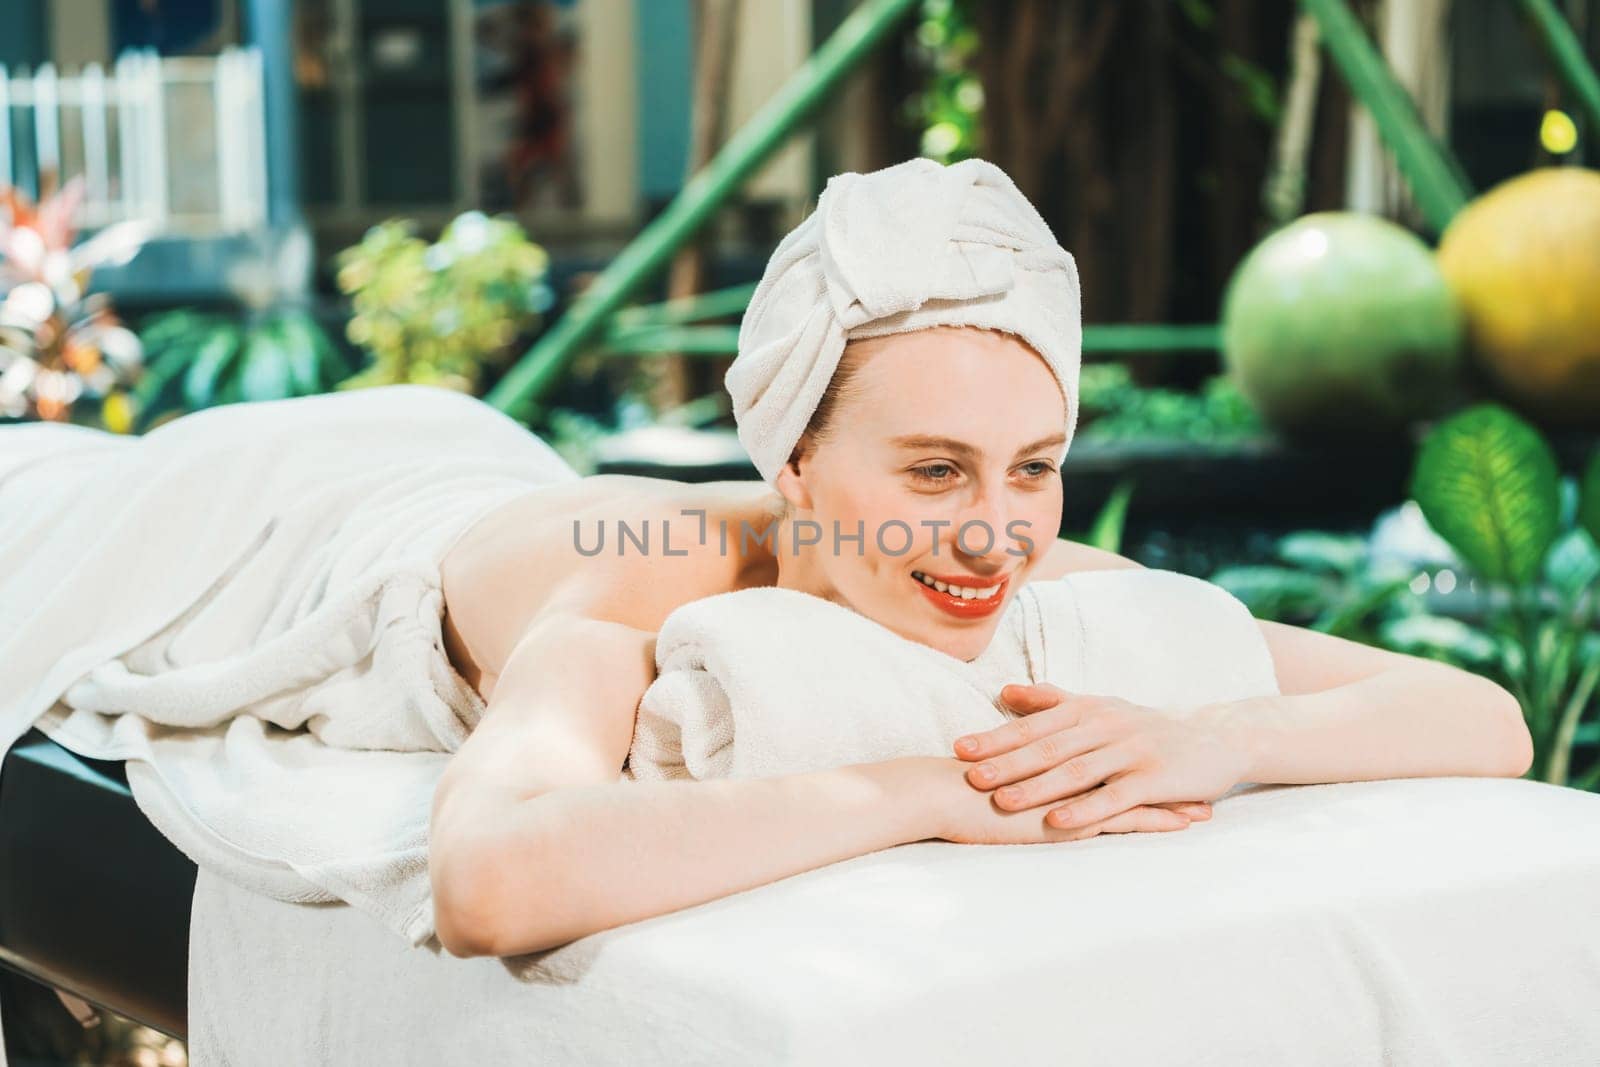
pixel 1044 469
pixel 930 473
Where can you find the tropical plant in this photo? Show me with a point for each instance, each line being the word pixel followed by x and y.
pixel 58 343
pixel 1517 537
pixel 199 359
pixel 271 349
pixel 441 313
pixel 1328 581
pixel 949 107
pixel 1490 484
pixel 1106 531
pixel 1115 408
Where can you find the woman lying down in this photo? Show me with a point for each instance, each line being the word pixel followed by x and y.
pixel 619 697
pixel 907 386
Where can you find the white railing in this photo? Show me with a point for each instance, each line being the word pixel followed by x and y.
pixel 177 141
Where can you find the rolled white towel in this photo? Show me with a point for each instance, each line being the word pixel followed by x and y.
pixel 770 681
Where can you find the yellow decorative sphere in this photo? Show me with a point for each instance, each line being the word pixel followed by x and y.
pixel 1524 261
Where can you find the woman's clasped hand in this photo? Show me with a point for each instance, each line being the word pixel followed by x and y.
pixel 1072 766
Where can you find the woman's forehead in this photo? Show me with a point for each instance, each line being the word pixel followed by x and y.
pixel 994 399
pixel 944 338
pixel 961 364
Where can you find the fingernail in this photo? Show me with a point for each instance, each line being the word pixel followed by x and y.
pixel 1008 796
pixel 985 773
pixel 967 744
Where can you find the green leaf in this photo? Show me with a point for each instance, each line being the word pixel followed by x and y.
pixel 1273 592
pixel 1589 497
pixel 1315 550
pixel 1106 532
pixel 265 371
pixel 209 366
pixel 1423 634
pixel 335 365
pixel 157 389
pixel 159 371
pixel 177 326
pixel 1488 483
pixel 1573 563
pixel 1343 619
pixel 300 351
pixel 1551 653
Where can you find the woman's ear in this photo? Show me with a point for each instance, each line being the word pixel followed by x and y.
pixel 791 481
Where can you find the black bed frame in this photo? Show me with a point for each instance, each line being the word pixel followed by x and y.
pixel 94 901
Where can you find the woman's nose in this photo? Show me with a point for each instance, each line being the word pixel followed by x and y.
pixel 981 527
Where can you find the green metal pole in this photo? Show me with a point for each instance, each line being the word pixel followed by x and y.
pixel 1566 54
pixel 712 305
pixel 654 339
pixel 1435 179
pixel 662 340
pixel 1151 337
pixel 744 152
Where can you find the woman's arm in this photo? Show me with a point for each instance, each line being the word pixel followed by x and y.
pixel 535 842
pixel 1351 712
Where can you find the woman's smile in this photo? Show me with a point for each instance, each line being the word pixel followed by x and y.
pixel 962 596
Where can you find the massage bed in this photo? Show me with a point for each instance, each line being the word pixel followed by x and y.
pixel 1400 922
pixel 1415 921
pixel 1404 922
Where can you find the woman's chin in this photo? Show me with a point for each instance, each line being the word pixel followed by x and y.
pixel 966 645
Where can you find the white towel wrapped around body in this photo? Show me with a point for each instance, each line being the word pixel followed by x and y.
pixel 245 604
pixel 770 681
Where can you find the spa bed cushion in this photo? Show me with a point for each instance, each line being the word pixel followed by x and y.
pixel 1405 922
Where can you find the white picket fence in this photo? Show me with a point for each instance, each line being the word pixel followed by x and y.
pixel 178 141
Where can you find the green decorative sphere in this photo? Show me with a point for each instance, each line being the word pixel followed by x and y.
pixel 1341 324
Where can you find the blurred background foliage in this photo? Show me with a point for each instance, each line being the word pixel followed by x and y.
pixel 441 313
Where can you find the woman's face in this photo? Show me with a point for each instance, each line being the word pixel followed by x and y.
pixel 942 454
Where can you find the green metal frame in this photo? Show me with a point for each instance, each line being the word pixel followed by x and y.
pixel 1097 340
pixel 741 156
pixel 599 322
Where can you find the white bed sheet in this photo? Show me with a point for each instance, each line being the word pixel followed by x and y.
pixel 1410 921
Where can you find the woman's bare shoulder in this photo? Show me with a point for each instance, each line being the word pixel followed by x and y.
pixel 1068 557
pixel 564 553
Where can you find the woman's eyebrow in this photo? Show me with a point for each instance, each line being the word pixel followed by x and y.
pixel 961 448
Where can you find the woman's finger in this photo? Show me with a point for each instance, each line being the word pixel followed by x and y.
pixel 1195 809
pixel 1027 699
pixel 1116 796
pixel 1143 819
pixel 1071 777
pixel 1018 732
pixel 1037 757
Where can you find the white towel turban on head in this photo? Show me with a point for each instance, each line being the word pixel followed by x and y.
pixel 914 245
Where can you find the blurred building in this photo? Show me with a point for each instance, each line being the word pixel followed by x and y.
pixel 572 114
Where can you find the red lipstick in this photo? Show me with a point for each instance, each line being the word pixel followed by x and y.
pixel 960 607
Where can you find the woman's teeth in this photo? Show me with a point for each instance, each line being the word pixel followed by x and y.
pixel 964 592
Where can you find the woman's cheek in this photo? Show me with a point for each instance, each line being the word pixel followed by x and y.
pixel 1037 531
